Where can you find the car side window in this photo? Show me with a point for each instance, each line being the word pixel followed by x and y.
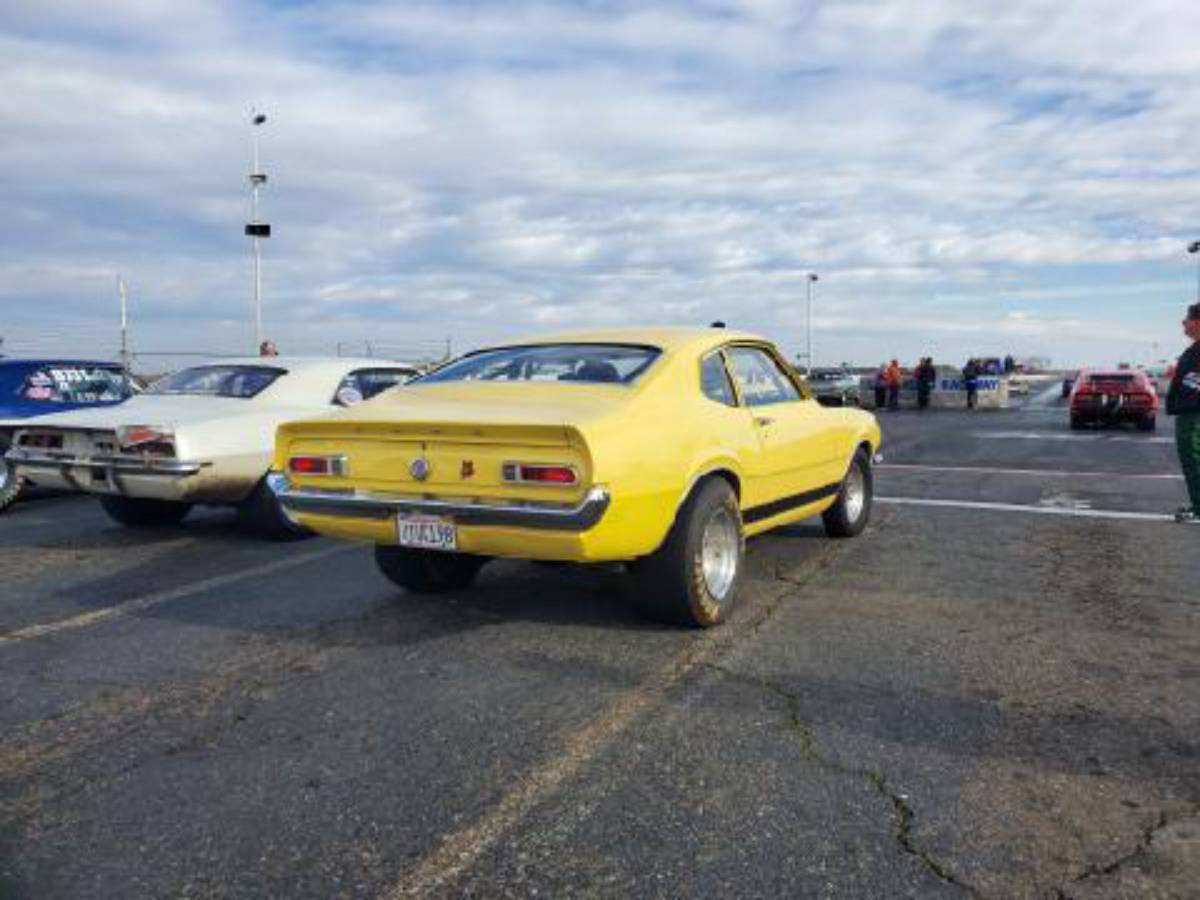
pixel 714 380
pixel 759 377
pixel 363 384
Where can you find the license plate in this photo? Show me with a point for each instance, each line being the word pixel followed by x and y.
pixel 426 532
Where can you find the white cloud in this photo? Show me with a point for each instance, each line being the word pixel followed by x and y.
pixel 490 169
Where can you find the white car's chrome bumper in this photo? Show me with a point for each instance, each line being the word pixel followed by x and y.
pixel 373 505
pixel 119 465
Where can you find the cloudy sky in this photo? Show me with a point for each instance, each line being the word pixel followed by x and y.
pixel 965 177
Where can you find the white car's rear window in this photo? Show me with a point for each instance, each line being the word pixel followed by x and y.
pixel 242 382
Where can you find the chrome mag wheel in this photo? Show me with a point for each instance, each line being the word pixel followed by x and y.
pixel 854 493
pixel 719 554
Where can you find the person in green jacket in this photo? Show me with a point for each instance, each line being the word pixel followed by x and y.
pixel 1183 402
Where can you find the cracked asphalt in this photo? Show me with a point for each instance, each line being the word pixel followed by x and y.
pixel 970 700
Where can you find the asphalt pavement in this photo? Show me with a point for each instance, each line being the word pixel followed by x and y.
pixel 994 692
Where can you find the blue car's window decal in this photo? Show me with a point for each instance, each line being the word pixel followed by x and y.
pixel 66 384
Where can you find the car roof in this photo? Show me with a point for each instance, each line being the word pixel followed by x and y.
pixel 58 361
pixel 663 337
pixel 1108 373
pixel 300 362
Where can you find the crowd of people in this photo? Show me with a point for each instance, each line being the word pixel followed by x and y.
pixel 890 377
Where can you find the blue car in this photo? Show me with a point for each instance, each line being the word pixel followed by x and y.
pixel 36 387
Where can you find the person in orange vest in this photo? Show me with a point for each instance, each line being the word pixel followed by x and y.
pixel 893 385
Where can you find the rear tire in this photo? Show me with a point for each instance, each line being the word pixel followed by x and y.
pixel 10 484
pixel 138 512
pixel 693 578
pixel 1077 423
pixel 1147 424
pixel 852 510
pixel 262 513
pixel 427 571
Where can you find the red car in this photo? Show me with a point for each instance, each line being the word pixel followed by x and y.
pixel 1122 395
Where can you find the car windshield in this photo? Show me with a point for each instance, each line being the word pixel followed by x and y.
pixel 75 384
pixel 827 374
pixel 588 363
pixel 242 382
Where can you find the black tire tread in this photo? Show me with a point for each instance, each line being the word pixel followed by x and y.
pixel 12 488
pixel 262 514
pixel 140 512
pixel 427 571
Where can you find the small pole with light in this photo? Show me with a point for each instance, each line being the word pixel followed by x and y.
pixel 1194 247
pixel 810 280
pixel 256 230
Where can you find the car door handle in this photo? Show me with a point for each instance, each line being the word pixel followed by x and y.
pixel 763 420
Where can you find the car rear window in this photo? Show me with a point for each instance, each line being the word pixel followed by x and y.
pixel 580 363
pixel 1115 378
pixel 241 382
pixel 75 384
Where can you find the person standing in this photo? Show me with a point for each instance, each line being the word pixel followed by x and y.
pixel 881 386
pixel 1183 402
pixel 926 375
pixel 970 375
pixel 893 385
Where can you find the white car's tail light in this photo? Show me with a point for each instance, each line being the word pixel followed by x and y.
pixel 151 439
pixel 317 465
pixel 539 473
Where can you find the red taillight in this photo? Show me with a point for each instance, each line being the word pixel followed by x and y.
pixel 317 465
pixel 537 473
pixel 47 441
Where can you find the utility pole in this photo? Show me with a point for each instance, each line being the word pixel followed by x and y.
pixel 124 325
pixel 810 280
pixel 257 230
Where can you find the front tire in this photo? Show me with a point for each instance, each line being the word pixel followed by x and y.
pixel 138 512
pixel 10 484
pixel 693 578
pixel 1077 423
pixel 852 510
pixel 263 514
pixel 427 571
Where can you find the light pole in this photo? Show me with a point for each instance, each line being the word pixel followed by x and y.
pixel 124 325
pixel 256 230
pixel 810 280
pixel 1194 247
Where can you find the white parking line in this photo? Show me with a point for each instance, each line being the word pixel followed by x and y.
pixel 1044 473
pixel 140 604
pixel 1020 508
pixel 1058 436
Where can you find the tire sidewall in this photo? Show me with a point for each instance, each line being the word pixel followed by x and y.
pixel 712 497
pixel 11 488
pixel 837 522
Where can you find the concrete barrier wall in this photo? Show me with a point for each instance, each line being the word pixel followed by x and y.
pixel 948 391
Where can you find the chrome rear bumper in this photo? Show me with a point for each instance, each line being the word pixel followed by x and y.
pixel 62 463
pixel 372 505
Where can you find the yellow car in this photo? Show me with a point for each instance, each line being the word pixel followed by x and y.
pixel 663 449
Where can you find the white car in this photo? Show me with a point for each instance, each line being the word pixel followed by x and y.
pixel 204 434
